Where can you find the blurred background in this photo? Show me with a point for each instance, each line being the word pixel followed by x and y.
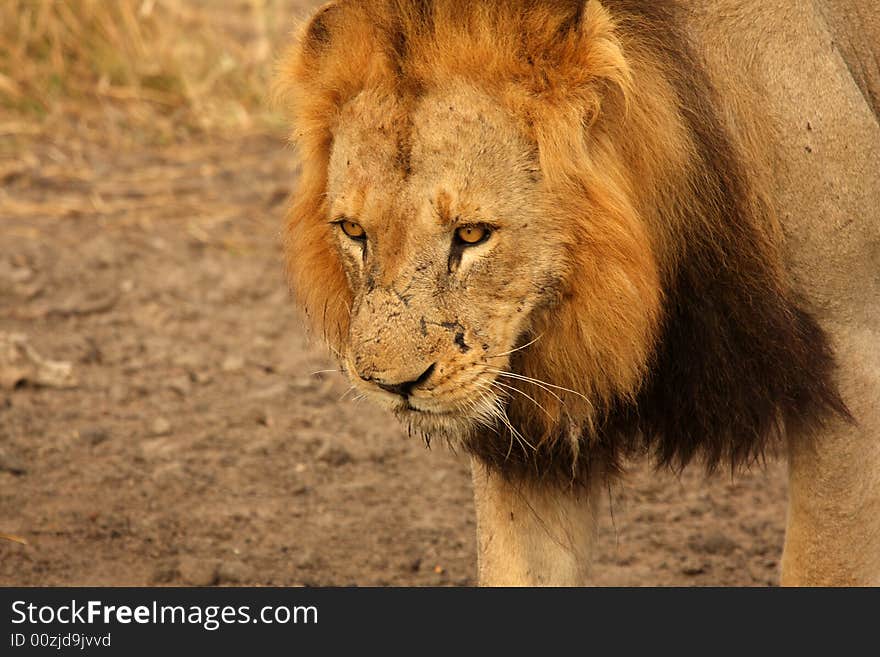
pixel 156 69
pixel 161 419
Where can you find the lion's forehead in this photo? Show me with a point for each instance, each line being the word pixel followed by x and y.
pixel 392 156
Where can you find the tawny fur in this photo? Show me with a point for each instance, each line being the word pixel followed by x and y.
pixel 661 300
pixel 654 203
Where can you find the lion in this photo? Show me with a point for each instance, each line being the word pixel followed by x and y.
pixel 559 234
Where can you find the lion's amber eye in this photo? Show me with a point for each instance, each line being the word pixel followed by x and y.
pixel 353 230
pixel 472 235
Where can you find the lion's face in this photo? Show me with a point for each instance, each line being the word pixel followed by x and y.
pixel 463 232
pixel 438 218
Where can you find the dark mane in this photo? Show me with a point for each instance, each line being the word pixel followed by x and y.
pixel 740 360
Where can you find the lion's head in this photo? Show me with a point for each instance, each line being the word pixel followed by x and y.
pixel 441 226
pixel 498 210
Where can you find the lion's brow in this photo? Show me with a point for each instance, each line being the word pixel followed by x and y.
pixel 442 205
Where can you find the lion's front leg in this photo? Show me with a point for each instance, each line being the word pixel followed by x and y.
pixel 833 532
pixel 532 535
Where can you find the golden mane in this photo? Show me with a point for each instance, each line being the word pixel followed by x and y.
pixel 673 293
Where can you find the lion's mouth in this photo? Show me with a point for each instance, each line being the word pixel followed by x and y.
pixel 407 406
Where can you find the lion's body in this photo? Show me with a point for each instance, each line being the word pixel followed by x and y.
pixel 819 79
pixel 682 210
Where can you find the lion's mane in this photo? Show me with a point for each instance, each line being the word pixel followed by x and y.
pixel 676 322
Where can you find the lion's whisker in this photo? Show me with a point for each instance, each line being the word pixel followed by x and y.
pixel 477 408
pixel 490 387
pixel 487 398
pixel 496 411
pixel 327 372
pixel 527 396
pixel 538 382
pixel 518 377
pixel 488 412
pixel 513 351
pixel 502 415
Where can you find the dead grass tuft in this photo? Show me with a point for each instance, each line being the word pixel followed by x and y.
pixel 164 64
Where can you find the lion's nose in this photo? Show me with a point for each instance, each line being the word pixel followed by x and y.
pixel 405 388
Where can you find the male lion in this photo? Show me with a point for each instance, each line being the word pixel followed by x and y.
pixel 558 233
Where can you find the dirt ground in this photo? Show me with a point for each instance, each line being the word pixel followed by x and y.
pixel 192 445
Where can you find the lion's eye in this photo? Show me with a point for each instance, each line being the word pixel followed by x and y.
pixel 472 235
pixel 354 230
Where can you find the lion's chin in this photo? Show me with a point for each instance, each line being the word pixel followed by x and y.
pixel 451 426
pixel 428 419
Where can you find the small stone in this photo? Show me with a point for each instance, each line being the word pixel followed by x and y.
pixel 165 573
pixel 203 377
pixel 118 393
pixel 306 560
pixel 160 427
pixel 233 363
pixel 91 352
pixel 278 196
pixel 11 464
pixel 262 417
pixel 21 274
pixel 334 455
pixel 234 572
pixel 182 385
pixel 197 572
pixel 713 543
pixel 21 364
pixel 95 435
pixel 303 384
pixel 693 569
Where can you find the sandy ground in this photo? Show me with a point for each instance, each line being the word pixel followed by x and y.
pixel 191 444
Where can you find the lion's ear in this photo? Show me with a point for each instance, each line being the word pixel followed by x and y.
pixel 318 33
pixel 307 78
pixel 584 46
pixel 578 66
pixel 336 54
pixel 313 44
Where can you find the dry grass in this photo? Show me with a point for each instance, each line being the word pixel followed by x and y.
pixel 158 65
